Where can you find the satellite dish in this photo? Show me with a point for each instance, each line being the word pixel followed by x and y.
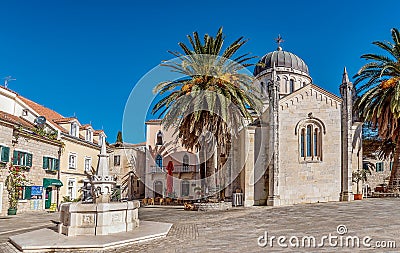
pixel 41 120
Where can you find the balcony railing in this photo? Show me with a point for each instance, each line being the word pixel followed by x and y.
pixel 177 169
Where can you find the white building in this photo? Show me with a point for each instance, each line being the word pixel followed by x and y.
pixel 302 149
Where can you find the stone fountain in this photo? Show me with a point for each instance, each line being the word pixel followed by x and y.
pixel 96 226
pixel 101 217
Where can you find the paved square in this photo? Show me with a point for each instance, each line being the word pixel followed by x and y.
pixel 238 230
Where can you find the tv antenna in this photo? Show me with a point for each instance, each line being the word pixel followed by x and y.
pixel 8 79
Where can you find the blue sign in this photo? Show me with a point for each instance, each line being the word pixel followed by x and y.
pixel 36 190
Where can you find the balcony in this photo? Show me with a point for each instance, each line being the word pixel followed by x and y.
pixel 177 169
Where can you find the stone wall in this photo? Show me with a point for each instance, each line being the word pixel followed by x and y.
pixel 261 157
pixel 309 181
pixel 39 148
pixel 376 177
pixel 6 132
pixel 220 206
pixel 120 171
pixel 170 152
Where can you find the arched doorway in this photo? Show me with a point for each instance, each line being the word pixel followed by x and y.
pixel 158 189
pixel 185 188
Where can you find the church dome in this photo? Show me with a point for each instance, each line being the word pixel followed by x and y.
pixel 281 59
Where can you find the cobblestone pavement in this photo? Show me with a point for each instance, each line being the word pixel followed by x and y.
pixel 237 230
pixel 21 223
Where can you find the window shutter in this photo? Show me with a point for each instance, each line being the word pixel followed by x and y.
pixel 15 157
pixel 29 160
pixel 5 154
pixel 28 191
pixel 56 164
pixel 45 163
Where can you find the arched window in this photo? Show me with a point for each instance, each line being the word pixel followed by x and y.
pixel 291 85
pixel 74 127
pixel 286 86
pixel 185 163
pixel 159 138
pixel 309 131
pixel 159 161
pixel 185 188
pixel 316 141
pixel 310 139
pixel 302 142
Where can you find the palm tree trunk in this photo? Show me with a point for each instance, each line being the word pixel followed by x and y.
pixel 395 174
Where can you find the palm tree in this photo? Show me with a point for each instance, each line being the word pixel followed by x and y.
pixel 214 95
pixel 379 102
pixel 213 84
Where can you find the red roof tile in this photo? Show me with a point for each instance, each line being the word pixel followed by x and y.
pixel 64 120
pixel 43 111
pixel 52 115
pixel 97 132
pixel 15 120
pixel 86 126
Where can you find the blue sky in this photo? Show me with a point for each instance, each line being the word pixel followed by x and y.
pixel 83 58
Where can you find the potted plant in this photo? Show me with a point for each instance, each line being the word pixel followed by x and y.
pixel 15 179
pixel 360 175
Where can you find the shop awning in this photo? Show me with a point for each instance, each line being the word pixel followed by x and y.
pixel 51 182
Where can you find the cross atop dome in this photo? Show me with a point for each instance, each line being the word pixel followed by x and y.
pixel 279 40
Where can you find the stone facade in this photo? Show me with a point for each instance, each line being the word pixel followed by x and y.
pixel 20 139
pixel 126 161
pixel 82 141
pixel 303 147
pixel 186 175
pixel 6 137
pixel 380 174
pixel 301 180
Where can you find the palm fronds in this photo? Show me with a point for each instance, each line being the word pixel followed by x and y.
pixel 379 101
pixel 214 95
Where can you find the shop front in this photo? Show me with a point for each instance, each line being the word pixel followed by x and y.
pixel 51 187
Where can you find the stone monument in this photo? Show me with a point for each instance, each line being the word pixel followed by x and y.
pixel 102 217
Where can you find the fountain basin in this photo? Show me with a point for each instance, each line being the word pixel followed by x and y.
pixel 98 219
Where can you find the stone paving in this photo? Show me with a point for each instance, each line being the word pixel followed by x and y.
pixel 237 230
pixel 21 223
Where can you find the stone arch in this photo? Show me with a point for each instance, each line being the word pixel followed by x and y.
pixel 158 188
pixel 310 139
pixel 311 120
pixel 284 84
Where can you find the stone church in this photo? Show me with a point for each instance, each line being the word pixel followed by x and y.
pixel 302 149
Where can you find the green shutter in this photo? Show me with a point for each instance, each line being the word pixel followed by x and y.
pixel 5 154
pixel 56 164
pixel 29 160
pixel 45 162
pixel 15 157
pixel 28 191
